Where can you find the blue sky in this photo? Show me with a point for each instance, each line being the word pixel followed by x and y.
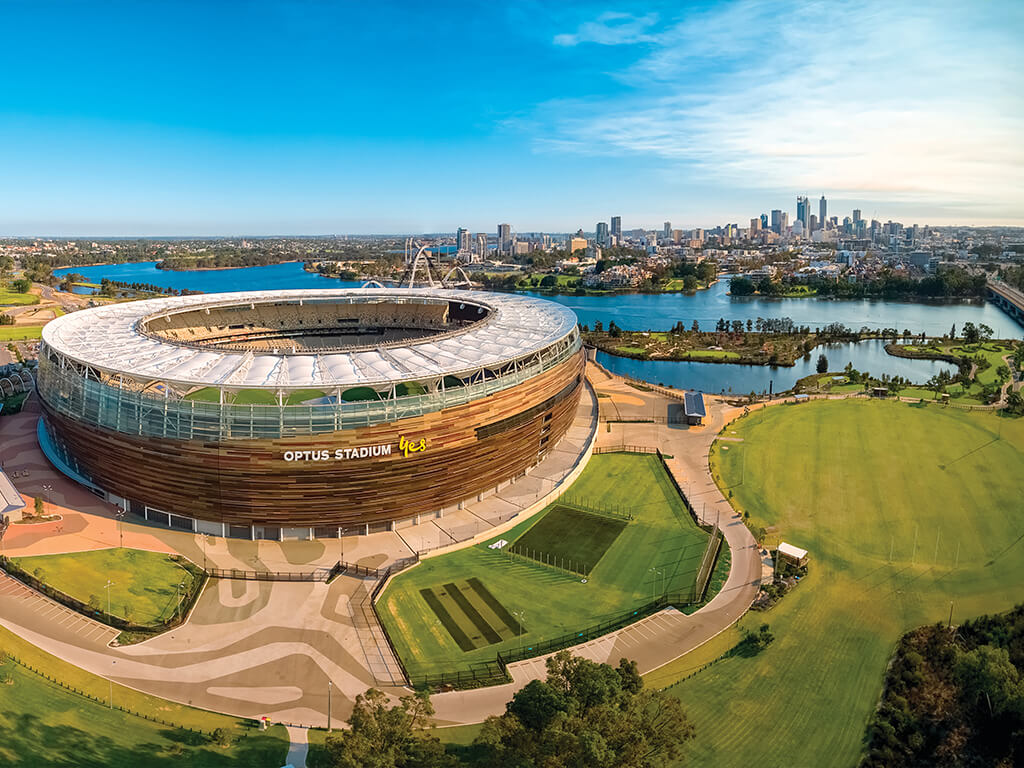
pixel 171 118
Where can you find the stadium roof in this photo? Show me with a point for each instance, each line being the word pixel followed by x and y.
pixel 110 339
pixel 694 404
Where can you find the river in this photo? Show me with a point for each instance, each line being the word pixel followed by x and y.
pixel 867 355
pixel 660 312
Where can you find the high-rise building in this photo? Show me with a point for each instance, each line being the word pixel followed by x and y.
pixel 803 211
pixel 504 238
pixel 822 211
pixel 667 230
pixel 783 222
pixel 602 233
pixel 481 244
pixel 777 221
pixel 755 225
pixel 814 223
pixel 462 240
pixel 617 226
pixel 856 215
pixel 577 244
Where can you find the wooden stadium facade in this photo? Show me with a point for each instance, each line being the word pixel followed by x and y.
pixel 362 478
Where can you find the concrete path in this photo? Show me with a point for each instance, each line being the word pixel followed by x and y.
pixel 299 747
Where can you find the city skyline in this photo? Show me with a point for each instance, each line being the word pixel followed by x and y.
pixel 276 119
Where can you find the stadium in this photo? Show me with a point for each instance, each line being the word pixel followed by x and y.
pixel 278 414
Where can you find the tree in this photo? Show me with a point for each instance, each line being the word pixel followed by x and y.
pixel 741 286
pixel 971 334
pixel 1015 403
pixel 822 365
pixel 988 679
pixel 613 330
pixel 695 328
pixel 38 506
pixel 22 285
pixel 548 281
pixel 985 332
pixel 382 736
pixel 587 714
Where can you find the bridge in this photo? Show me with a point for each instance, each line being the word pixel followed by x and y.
pixel 1008 298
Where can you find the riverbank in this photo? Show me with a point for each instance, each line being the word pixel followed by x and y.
pixel 729 347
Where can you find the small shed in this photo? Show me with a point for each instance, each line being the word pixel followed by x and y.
pixel 801 398
pixel 879 391
pixel 793 554
pixel 693 405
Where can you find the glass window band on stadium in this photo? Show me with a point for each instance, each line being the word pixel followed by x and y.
pixel 519 338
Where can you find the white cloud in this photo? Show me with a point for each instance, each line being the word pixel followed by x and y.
pixel 612 28
pixel 870 101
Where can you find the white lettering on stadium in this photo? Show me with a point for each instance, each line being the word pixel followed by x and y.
pixel 339 454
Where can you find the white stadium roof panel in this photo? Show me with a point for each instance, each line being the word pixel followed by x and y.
pixel 111 339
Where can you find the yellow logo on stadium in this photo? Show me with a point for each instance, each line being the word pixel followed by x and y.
pixel 407 447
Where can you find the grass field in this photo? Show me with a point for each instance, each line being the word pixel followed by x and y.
pixel 9 298
pixel 20 332
pixel 853 481
pixel 659 550
pixel 43 723
pixel 569 538
pixel 145 583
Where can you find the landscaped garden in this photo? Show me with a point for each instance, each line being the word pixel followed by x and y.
pixel 461 608
pixel 145 587
pixel 908 512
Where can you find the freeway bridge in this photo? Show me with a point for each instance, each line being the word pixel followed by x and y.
pixel 1008 298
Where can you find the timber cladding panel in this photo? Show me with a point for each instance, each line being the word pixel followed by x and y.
pixel 250 482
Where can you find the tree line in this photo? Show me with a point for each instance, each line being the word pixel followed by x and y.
pixel 950 282
pixel 583 715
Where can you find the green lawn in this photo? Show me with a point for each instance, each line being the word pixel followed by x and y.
pixel 631 350
pixel 144 587
pixel 9 298
pixel 44 724
pixel 20 332
pixel 852 481
pixel 712 354
pixel 659 550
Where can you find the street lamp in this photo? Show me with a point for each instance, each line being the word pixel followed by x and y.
pixel 521 618
pixel 107 587
pixel 330 685
pixel 110 701
pixel 180 586
pixel 47 490
pixel 120 528
pixel 654 582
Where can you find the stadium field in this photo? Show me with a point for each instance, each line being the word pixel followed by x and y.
pixel 658 551
pixel 907 512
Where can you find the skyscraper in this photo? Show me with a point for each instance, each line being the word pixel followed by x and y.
pixel 822 212
pixel 755 225
pixel 481 244
pixel 462 240
pixel 504 239
pixel 803 212
pixel 602 233
pixel 764 221
pixel 777 221
pixel 856 215
pixel 617 226
pixel 667 230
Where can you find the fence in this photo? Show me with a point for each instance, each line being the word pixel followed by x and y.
pixel 320 574
pixel 707 564
pixel 182 608
pixel 584 505
pixel 548 560
pixel 624 449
